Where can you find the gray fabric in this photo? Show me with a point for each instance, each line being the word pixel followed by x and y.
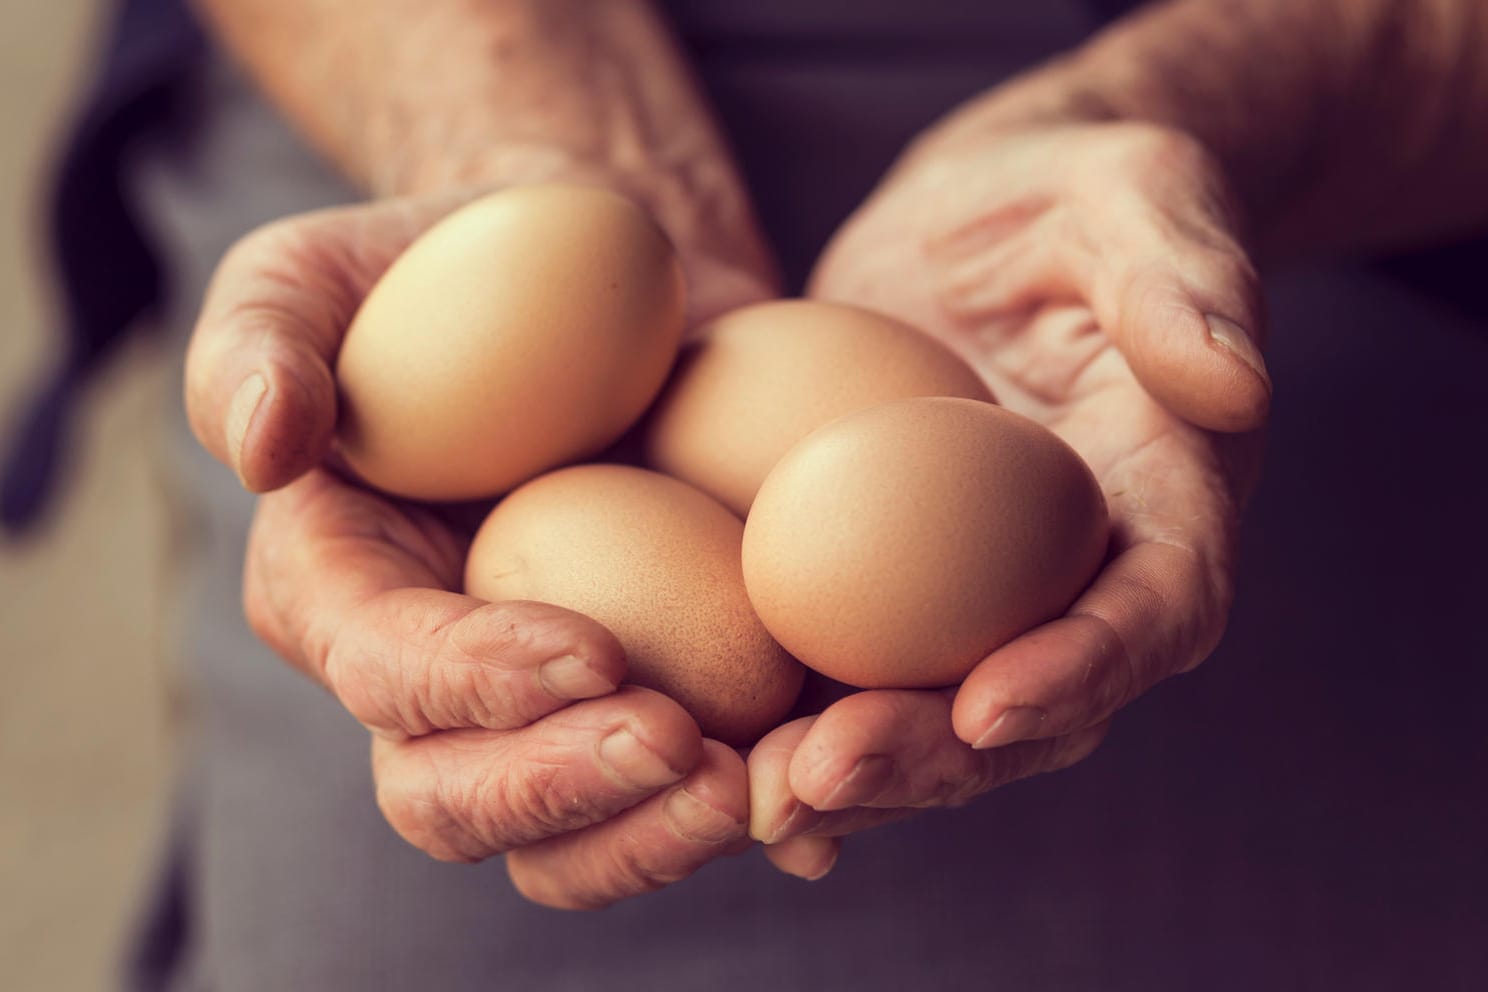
pixel 1304 812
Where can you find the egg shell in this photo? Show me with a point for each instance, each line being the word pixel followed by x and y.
pixel 657 562
pixel 526 330
pixel 758 379
pixel 899 545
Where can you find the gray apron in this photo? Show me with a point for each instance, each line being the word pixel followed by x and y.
pixel 1303 813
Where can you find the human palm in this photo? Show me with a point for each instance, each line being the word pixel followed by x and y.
pixel 496 727
pixel 1092 274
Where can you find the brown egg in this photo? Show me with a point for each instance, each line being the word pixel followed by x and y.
pixel 657 562
pixel 528 329
pixel 760 378
pixel 899 545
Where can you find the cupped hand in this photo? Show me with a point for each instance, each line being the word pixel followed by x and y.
pixel 1094 274
pixel 495 727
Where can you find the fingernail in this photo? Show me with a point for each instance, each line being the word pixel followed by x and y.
pixel 240 411
pixel 696 820
pixel 869 778
pixel 633 763
pixel 1017 724
pixel 571 677
pixel 800 819
pixel 832 854
pixel 1232 337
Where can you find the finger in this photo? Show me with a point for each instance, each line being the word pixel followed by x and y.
pixel 1174 288
pixel 805 857
pixel 896 748
pixel 853 820
pixel 661 841
pixel 464 795
pixel 1008 276
pixel 774 810
pixel 260 392
pixel 1187 328
pixel 1156 610
pixel 1146 235
pixel 350 588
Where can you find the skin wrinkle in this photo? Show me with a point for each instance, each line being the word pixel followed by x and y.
pixel 435 546
pixel 996 280
pixel 628 862
pixel 989 228
pixel 444 809
pixel 1198 41
pixel 592 884
pixel 466 664
pixel 1049 385
pixel 544 794
pixel 1104 376
pixel 464 146
pixel 281 259
pixel 413 805
pixel 1385 88
pixel 369 699
pixel 718 819
pixel 630 865
pixel 376 692
pixel 1120 681
pixel 1219 91
pixel 456 805
pixel 1192 642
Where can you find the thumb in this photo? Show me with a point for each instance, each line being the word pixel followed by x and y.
pixel 1171 284
pixel 1187 323
pixel 260 392
pixel 1138 224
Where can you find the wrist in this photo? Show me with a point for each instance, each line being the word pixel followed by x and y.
pixel 691 188
pixel 1262 135
pixel 701 204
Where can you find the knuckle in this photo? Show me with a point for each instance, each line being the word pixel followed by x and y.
pixel 273 249
pixel 426 821
pixel 262 241
pixel 1021 761
pixel 957 792
pixel 631 871
pixel 1145 148
pixel 467 666
pixel 277 259
pixel 1225 268
pixel 504 804
pixel 595 879
pixel 369 691
pixel 972 774
pixel 537 884
pixel 534 799
pixel 1119 675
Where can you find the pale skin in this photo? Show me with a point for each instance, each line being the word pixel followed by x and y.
pixel 1094 266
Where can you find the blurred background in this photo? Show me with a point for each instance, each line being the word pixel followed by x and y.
pixel 84 708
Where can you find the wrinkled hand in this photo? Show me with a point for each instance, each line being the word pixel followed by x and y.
pixel 1093 274
pixel 495 727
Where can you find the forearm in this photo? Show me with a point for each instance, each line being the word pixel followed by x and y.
pixel 408 96
pixel 1343 124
